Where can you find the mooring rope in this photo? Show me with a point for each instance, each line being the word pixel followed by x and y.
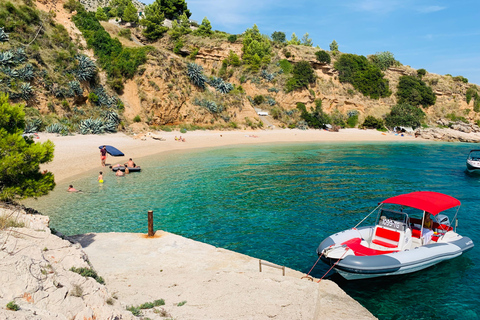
pixel 334 265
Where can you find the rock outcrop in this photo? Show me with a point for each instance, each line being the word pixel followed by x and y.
pixel 456 132
pixel 35 274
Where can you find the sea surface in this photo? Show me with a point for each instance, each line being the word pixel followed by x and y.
pixel 279 202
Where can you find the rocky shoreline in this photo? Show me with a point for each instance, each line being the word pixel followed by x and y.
pixel 451 132
pixel 213 283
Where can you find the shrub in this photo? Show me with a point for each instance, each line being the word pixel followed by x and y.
pixel 86 272
pixel 363 75
pixel 303 74
pixel 259 99
pixel 412 90
pixel 126 33
pixel 13 306
pixel 285 65
pixel 384 60
pixel 317 118
pixel 137 118
pixel 471 93
pixel 460 79
pixel 421 73
pixel 232 38
pixel 405 115
pixel 371 122
pixel 323 56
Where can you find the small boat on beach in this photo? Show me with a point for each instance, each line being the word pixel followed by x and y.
pixel 399 242
pixel 130 169
pixel 473 161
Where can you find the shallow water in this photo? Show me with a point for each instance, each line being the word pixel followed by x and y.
pixel 279 202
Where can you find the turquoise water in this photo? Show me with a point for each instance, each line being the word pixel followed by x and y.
pixel 279 202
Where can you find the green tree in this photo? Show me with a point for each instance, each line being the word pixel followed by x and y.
pixel 205 29
pixel 306 41
pixel 118 7
pixel 334 47
pixel 20 158
pixel 153 21
pixel 302 75
pixel 323 56
pixel 373 123
pixel 294 40
pixel 414 91
pixel 363 75
pixel 130 13
pixel 180 28
pixel 173 9
pixel 100 15
pixel 278 36
pixel 405 115
pixel 384 60
pixel 256 49
pixel 317 118
pixel 421 73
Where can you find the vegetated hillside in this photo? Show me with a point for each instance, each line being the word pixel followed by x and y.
pixel 210 80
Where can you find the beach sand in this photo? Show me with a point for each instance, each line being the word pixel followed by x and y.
pixel 215 283
pixel 77 154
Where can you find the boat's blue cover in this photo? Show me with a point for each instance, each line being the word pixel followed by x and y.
pixel 112 151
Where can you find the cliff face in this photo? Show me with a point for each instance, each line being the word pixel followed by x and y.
pixel 162 94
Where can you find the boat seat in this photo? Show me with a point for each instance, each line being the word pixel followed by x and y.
pixel 360 250
pixel 386 237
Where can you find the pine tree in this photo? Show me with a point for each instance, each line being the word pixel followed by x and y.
pixel 20 158
pixel 153 21
pixel 306 41
pixel 294 40
pixel 205 29
pixel 100 14
pixel 130 13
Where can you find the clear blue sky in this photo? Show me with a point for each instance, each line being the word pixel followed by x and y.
pixel 440 36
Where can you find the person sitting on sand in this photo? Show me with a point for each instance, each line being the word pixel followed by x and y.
pixel 176 139
pixel 130 163
pixel 72 189
pixel 119 173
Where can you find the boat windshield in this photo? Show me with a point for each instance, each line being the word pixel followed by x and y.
pixel 474 155
pixel 393 219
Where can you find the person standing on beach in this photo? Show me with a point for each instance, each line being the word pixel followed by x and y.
pixel 103 155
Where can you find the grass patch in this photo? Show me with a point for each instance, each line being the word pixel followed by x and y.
pixel 86 272
pixel 9 222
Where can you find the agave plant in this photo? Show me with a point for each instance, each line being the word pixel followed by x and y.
pixel 19 56
pixel 26 91
pixel 57 128
pixel 86 68
pixel 224 87
pixel 9 72
pixel 33 125
pixel 6 57
pixel 91 126
pixel 267 76
pixel 111 116
pixel 26 73
pixel 194 71
pixel 271 101
pixel 75 87
pixel 3 35
pixel 109 126
pixel 104 99
pixel 215 82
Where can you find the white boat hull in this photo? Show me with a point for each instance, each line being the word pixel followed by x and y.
pixel 352 266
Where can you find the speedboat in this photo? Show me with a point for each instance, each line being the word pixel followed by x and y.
pixel 397 243
pixel 473 161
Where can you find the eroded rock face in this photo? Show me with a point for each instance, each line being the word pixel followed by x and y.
pixel 457 132
pixel 35 274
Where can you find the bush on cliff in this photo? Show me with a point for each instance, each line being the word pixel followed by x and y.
pixel 412 90
pixel 363 75
pixel 405 115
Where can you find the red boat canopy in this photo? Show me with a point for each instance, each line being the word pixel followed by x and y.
pixel 432 202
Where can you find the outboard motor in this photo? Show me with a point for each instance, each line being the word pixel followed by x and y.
pixel 443 219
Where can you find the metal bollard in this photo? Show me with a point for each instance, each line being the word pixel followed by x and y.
pixel 150 224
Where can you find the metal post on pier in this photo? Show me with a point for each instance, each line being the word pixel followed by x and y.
pixel 150 223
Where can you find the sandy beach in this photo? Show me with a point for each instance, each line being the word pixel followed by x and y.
pixel 78 154
pixel 214 283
